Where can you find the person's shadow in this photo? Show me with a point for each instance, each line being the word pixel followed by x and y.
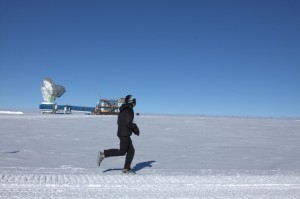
pixel 137 167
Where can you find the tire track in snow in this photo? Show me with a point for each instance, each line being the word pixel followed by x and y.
pixel 90 185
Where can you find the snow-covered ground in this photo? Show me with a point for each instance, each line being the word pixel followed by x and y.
pixel 54 156
pixel 11 112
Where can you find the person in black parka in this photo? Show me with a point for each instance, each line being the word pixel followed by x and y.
pixel 126 127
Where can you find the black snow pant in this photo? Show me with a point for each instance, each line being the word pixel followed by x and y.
pixel 126 148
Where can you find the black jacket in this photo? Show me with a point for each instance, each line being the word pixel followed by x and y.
pixel 125 121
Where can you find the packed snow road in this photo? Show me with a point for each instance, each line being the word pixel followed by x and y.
pixel 54 156
pixel 72 183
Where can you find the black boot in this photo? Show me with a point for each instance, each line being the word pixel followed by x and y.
pixel 128 171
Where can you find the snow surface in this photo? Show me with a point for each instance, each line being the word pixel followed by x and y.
pixel 11 112
pixel 54 156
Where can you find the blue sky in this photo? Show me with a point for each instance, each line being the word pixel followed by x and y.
pixel 212 57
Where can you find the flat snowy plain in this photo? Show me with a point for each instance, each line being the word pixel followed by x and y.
pixel 54 156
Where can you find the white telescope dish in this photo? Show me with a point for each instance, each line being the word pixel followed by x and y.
pixel 51 91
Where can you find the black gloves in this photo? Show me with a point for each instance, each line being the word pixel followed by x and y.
pixel 136 130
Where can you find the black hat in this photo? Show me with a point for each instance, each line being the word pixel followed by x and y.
pixel 129 99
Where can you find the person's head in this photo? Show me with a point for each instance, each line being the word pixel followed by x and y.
pixel 129 99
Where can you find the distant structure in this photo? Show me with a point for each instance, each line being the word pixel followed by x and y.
pixel 108 106
pixel 51 91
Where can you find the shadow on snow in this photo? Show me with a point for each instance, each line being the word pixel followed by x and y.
pixel 137 167
pixel 8 152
